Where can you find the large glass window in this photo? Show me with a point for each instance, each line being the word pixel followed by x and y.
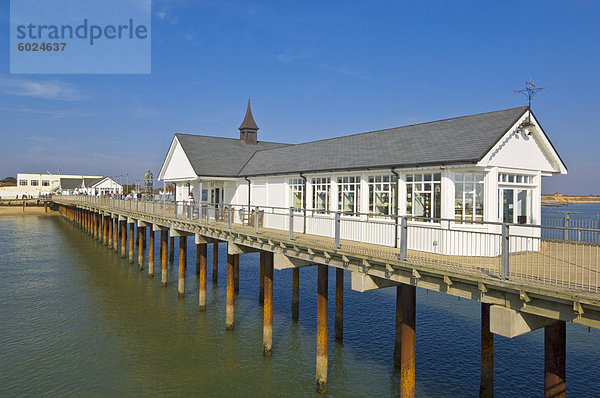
pixel 424 195
pixel 45 183
pixel 349 194
pixel 468 196
pixel 22 183
pixel 321 192
pixel 516 205
pixel 297 192
pixel 34 183
pixel 382 195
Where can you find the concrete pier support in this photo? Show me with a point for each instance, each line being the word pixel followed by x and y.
pixel 151 253
pixel 555 355
pixel 182 266
pixel 236 274
pixel 295 293
pixel 140 245
pixel 321 369
pixel 268 302
pixel 229 311
pixel 131 241
pixel 339 304
pixel 486 386
pixel 201 252
pixel 172 246
pixel 215 268
pixel 407 366
pixel 164 247
pixel 261 277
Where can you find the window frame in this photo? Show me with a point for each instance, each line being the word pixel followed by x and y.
pixel 434 180
pixel 293 188
pixel 344 185
pixel 321 185
pixel 391 202
pixel 471 194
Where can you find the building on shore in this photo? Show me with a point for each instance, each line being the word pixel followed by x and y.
pixel 39 185
pixel 453 173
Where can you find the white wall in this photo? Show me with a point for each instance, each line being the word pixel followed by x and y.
pixel 177 166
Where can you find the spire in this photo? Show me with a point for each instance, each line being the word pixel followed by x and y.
pixel 248 128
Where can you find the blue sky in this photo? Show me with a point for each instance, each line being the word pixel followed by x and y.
pixel 313 70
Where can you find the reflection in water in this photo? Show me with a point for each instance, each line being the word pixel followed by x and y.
pixel 76 319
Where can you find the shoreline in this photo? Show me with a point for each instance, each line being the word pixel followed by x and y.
pixel 29 211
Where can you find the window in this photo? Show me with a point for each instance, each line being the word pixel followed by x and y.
pixel 468 196
pixel 321 187
pixel 349 194
pixel 34 183
pixel 516 205
pixel 297 192
pixel 424 195
pixel 382 195
pixel 45 183
pixel 514 179
pixel 23 183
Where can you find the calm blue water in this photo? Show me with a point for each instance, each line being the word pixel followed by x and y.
pixel 77 320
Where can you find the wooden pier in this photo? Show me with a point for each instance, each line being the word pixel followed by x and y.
pixel 523 302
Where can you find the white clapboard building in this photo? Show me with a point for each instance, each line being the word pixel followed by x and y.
pixel 448 175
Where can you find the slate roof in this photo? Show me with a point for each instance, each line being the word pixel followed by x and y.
pixel 71 183
pixel 451 141
pixel 90 182
pixel 217 156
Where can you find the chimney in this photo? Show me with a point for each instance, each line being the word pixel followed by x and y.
pixel 248 129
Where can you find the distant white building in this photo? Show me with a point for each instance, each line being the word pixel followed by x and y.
pixel 37 185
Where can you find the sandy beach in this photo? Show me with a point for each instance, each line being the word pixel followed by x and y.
pixel 18 211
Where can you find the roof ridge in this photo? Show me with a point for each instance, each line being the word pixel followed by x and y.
pixel 409 125
pixel 229 138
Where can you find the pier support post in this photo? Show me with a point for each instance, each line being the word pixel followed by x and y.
pixel 116 234
pixel 261 277
pixel 268 302
pixel 339 304
pixel 131 241
pixel 105 230
pixel 229 311
pixel 486 386
pixel 398 334
pixel 215 269
pixel 321 369
pixel 295 293
pixel 236 274
pixel 163 256
pixel 407 367
pixel 172 246
pixel 96 226
pixel 110 232
pixel 140 245
pixel 123 237
pixel 151 253
pixel 555 354
pixel 201 251
pixel 182 265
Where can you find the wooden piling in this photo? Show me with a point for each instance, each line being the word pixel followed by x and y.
pixel 339 303
pixel 268 303
pixel 295 293
pixel 172 246
pixel 486 386
pixel 555 354
pixel 140 245
pixel 116 234
pixel 110 232
pixel 164 236
pixel 261 277
pixel 236 274
pixel 321 368
pixel 182 265
pixel 151 253
pixel 407 366
pixel 398 334
pixel 123 237
pixel 215 268
pixel 105 230
pixel 131 241
pixel 201 253
pixel 229 312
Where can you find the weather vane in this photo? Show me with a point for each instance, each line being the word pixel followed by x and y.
pixel 529 91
